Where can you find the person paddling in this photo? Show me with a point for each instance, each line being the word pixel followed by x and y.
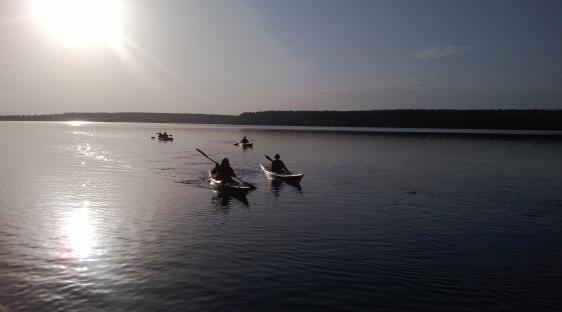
pixel 223 171
pixel 278 166
pixel 244 141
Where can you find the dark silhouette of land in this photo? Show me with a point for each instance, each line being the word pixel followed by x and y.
pixel 453 119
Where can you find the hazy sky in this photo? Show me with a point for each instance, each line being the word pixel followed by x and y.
pixel 232 56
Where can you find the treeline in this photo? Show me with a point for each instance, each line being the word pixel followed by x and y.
pixel 454 119
pixel 127 117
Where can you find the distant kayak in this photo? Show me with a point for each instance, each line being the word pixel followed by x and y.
pixel 245 145
pixel 230 187
pixel 290 177
pixel 163 136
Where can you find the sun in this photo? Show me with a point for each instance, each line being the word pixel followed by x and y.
pixel 82 23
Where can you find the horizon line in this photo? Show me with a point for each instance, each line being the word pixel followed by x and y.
pixel 295 111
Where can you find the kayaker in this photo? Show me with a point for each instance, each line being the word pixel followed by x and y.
pixel 244 141
pixel 223 171
pixel 278 166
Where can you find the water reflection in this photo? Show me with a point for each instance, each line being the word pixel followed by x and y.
pixel 78 234
pixel 277 185
pixel 76 123
pixel 87 151
pixel 224 200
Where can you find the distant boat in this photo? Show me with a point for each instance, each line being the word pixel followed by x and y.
pixel 163 137
pixel 245 145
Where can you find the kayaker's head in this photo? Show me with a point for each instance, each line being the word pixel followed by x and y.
pixel 277 156
pixel 225 163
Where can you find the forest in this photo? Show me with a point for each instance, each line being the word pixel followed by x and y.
pixel 415 118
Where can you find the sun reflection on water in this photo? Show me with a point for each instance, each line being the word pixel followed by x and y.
pixel 87 151
pixel 76 123
pixel 79 237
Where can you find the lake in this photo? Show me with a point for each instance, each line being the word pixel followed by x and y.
pixel 100 217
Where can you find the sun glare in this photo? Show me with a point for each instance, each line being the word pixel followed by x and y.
pixel 76 123
pixel 79 235
pixel 82 23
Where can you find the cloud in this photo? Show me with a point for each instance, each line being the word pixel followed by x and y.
pixel 439 52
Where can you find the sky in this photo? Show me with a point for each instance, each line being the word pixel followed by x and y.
pixel 232 56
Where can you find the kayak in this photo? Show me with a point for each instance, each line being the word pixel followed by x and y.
pixel 230 187
pixel 245 145
pixel 165 139
pixel 290 177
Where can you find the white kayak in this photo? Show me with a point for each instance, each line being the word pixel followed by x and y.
pixel 230 187
pixel 289 176
pixel 245 145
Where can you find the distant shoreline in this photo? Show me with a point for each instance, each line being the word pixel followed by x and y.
pixel 545 120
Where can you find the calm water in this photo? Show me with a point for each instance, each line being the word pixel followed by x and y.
pixel 99 217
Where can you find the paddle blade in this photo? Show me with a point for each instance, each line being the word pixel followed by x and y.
pixel 250 185
pixel 268 158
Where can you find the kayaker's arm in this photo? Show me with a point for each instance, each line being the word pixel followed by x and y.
pixel 285 167
pixel 215 171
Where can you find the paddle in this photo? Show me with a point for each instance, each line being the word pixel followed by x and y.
pixel 209 158
pixel 250 185
pixel 243 182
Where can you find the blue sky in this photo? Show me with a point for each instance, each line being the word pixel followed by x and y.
pixel 232 56
pixel 500 52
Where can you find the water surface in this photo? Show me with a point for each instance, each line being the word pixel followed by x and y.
pixel 98 216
